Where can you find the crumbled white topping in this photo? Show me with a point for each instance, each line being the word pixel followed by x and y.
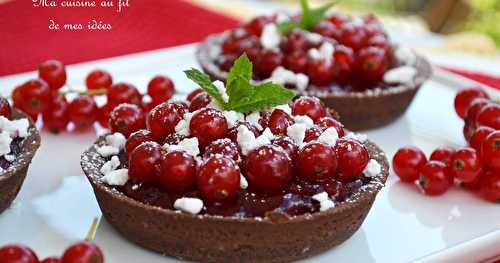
pixel 324 201
pixel 214 51
pixel 107 150
pixel 282 17
pixel 116 177
pixel 283 76
pixel 271 37
pixel 400 75
pixel 304 119
pixel 239 32
pixel 15 128
pixel 312 37
pixel 233 117
pixel 268 133
pixel 261 140
pixel 10 157
pixel 222 90
pixel 189 205
pixel 329 136
pixel 297 132
pixel 246 139
pixel 253 118
pixel 188 145
pixel 5 141
pixel 182 128
pixel 243 182
pixel 405 56
pixel 357 136
pixel 111 165
pixel 116 140
pixel 284 107
pixel 146 99
pixel 373 168
pixel 325 52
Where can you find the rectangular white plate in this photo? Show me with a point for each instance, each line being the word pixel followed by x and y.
pixel 56 205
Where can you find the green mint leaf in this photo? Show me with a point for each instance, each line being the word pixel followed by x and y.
pixel 318 14
pixel 265 96
pixel 205 83
pixel 310 17
pixel 287 26
pixel 239 89
pixel 242 68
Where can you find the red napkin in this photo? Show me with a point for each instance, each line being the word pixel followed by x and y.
pixel 146 25
pixel 489 80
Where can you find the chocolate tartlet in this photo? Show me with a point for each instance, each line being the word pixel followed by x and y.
pixel 276 237
pixel 12 178
pixel 358 110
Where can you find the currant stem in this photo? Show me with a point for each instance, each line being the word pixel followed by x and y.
pixel 93 228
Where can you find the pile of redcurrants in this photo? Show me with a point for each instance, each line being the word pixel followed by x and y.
pixel 81 252
pixel 475 167
pixel 45 97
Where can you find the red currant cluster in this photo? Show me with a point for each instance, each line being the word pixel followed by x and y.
pixel 362 51
pixel 82 252
pixel 476 167
pixel 269 168
pixel 43 96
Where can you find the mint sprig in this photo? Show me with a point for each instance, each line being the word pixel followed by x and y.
pixel 243 96
pixel 310 17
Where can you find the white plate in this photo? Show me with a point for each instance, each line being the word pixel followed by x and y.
pixel 56 205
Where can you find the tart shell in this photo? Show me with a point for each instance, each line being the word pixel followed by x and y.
pixel 276 237
pixel 358 110
pixel 13 177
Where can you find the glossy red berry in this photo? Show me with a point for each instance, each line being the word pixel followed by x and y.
pixel 208 125
pixel 489 186
pixel 343 64
pixel 465 165
pixel 353 36
pixel 103 114
pixel 56 118
pixel 475 106
pixel 490 151
pixel 468 130
pixel 51 260
pixel 489 116
pixel 295 42
pixel 225 62
pixel 288 145
pixel 224 147
pixel 327 122
pixel 143 161
pixel 320 72
pixel 5 108
pixel 267 61
pixel 256 25
pixel 279 121
pixel 372 63
pixel 268 169
pixel 126 119
pixel 312 133
pixel 408 162
pixel 123 93
pixel 317 162
pixel 193 94
pixel 309 106
pixel 200 101
pixel 136 139
pixel 328 29
pixel 352 158
pixel 82 112
pixel 479 135
pixel 161 89
pixel 162 119
pixel 434 178
pixel 98 79
pixel 32 97
pixel 465 97
pixel 442 154
pixel 17 254
pixel 296 62
pixel 83 252
pixel 177 171
pixel 53 72
pixel 218 179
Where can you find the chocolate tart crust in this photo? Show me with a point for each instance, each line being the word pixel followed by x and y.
pixel 358 110
pixel 276 237
pixel 13 177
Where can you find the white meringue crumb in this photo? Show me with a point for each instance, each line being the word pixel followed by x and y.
pixel 117 177
pixel 400 75
pixel 243 182
pixel 372 169
pixel 189 205
pixel 107 150
pixel 329 136
pixel 110 165
pixel 270 37
pixel 297 132
pixel 116 140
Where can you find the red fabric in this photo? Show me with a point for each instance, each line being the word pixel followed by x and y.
pixel 25 39
pixel 489 80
